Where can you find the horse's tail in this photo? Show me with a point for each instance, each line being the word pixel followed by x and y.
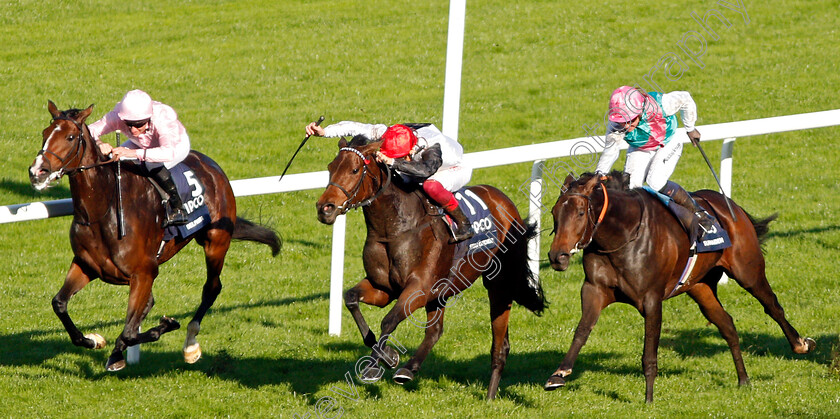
pixel 762 227
pixel 527 290
pixel 246 230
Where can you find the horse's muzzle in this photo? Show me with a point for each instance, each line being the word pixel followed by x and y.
pixel 327 212
pixel 39 176
pixel 559 260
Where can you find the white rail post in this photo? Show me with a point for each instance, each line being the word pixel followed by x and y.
pixel 726 178
pixel 535 214
pixel 132 354
pixel 454 61
pixel 337 274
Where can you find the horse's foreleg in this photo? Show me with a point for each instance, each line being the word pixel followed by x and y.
pixel 140 295
pixel 75 280
pixel 434 329
pixel 593 299
pixel 411 299
pixel 713 311
pixel 652 313
pixel 366 293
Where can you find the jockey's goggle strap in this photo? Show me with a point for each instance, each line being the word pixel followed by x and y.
pixel 358 153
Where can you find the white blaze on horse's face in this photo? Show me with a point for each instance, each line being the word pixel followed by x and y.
pixel 38 164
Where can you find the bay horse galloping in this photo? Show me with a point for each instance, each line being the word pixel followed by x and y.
pixel 133 260
pixel 635 252
pixel 407 257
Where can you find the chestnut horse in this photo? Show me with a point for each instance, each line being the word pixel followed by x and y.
pixel 407 257
pixel 635 252
pixel 100 252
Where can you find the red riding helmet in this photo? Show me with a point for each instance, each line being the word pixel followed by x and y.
pixel 397 141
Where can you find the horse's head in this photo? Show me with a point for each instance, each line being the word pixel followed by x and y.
pixel 66 141
pixel 355 180
pixel 574 219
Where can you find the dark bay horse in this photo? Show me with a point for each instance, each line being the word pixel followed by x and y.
pixel 407 257
pixel 635 252
pixel 132 260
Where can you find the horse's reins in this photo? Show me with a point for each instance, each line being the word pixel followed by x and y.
pixel 589 212
pixel 347 205
pixel 72 155
pixel 597 223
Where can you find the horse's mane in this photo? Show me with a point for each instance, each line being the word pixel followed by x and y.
pixel 71 113
pixel 616 180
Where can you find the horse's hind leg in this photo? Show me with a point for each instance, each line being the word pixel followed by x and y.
pixel 75 280
pixel 752 277
pixel 593 299
pixel 711 308
pixel 216 246
pixel 499 318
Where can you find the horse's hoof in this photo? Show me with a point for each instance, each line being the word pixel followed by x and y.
pixel 192 353
pixel 372 373
pixel 169 324
pixel 811 343
pixel 115 366
pixel 98 341
pixel 554 382
pixel 391 358
pixel 403 375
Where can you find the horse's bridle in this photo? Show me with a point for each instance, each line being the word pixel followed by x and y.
pixel 77 151
pixel 347 205
pixel 589 217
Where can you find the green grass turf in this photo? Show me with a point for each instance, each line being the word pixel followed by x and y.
pixel 246 76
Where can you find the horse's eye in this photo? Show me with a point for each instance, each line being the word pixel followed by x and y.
pixel 356 170
pixel 580 213
pixel 70 138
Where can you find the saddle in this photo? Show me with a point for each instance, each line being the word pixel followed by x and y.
pixel 714 239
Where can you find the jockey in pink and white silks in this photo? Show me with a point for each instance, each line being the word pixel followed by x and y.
pixel 155 137
pixel 420 153
pixel 648 123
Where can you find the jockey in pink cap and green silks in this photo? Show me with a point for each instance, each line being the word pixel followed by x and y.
pixel 420 154
pixel 648 122
pixel 155 137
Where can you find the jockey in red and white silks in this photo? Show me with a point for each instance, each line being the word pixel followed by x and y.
pixel 419 153
pixel 452 173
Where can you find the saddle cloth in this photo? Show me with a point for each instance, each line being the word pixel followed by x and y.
pixel 715 239
pixel 191 191
pixel 478 214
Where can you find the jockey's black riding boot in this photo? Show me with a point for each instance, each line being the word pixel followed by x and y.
pixel 681 196
pixel 689 222
pixel 175 213
pixel 464 230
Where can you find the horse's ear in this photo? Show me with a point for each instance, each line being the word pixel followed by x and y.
pixel 53 109
pixel 84 114
pixel 568 181
pixel 591 184
pixel 342 142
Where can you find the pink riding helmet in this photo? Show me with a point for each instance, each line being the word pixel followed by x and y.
pixel 626 103
pixel 136 105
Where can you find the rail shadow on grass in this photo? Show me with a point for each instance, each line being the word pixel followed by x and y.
pixel 25 189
